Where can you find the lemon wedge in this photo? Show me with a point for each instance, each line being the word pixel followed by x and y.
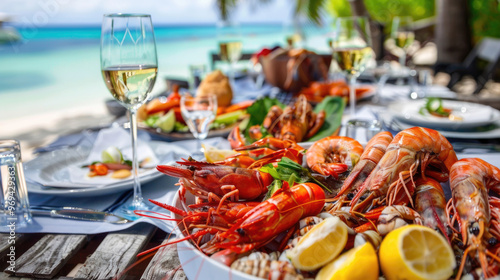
pixel 212 154
pixel 320 245
pixel 167 122
pixel 416 252
pixel 358 263
pixel 111 155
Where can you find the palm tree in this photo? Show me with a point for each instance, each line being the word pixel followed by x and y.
pixel 453 34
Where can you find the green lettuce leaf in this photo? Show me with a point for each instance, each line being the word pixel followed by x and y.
pixel 334 108
pixel 291 172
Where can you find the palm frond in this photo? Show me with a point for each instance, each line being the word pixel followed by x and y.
pixel 224 7
pixel 313 9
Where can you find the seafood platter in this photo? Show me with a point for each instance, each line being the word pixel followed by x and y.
pixel 276 208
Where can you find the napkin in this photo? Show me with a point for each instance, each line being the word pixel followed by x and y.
pixel 119 138
pixel 244 89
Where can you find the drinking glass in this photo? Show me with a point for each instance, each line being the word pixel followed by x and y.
pixel 230 45
pixel 15 207
pixel 403 35
pixel 129 66
pixel 381 73
pixel 363 130
pixel 198 113
pixel 352 50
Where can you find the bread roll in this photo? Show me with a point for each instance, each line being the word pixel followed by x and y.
pixel 218 84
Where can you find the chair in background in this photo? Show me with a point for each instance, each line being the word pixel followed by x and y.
pixel 488 50
pixel 215 57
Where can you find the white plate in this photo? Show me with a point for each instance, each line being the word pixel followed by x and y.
pixel 471 134
pixel 44 166
pixel 473 115
pixel 197 265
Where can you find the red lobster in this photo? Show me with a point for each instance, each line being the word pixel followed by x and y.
pixel 273 216
pixel 258 226
pixel 208 180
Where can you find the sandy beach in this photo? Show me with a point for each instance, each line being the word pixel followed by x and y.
pixel 41 129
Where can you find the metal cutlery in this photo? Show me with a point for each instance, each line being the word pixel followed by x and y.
pixel 77 213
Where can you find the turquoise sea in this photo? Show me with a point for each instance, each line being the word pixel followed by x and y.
pixel 58 67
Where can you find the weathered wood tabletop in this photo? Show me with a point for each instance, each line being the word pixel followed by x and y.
pixel 99 256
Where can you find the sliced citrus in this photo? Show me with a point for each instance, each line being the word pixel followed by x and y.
pixel 212 154
pixel 167 122
pixel 112 155
pixel 320 245
pixel 416 252
pixel 229 118
pixel 358 263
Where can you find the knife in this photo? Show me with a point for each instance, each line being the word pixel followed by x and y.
pixel 76 213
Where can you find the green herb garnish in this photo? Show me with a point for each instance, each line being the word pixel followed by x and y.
pixel 291 172
pixel 434 106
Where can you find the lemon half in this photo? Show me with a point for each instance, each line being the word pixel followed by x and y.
pixel 358 263
pixel 212 154
pixel 416 252
pixel 320 245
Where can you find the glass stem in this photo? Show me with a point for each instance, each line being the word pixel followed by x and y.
pixel 352 95
pixel 198 146
pixel 135 163
pixel 402 59
pixel 231 72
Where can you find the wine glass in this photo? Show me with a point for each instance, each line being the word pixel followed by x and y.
pixel 352 50
pixel 198 113
pixel 230 45
pixel 403 35
pixel 129 67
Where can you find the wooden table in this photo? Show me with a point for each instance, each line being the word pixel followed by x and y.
pixel 99 256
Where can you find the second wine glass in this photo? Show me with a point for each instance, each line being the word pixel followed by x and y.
pixel 352 50
pixel 403 35
pixel 198 113
pixel 230 45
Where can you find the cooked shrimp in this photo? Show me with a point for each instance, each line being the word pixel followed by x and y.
pixel 470 181
pixel 410 149
pixel 374 151
pixel 328 155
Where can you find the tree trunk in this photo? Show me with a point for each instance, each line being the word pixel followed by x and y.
pixel 358 8
pixel 453 33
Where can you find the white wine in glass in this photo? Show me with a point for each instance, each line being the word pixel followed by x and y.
pixel 129 66
pixel 352 50
pixel 403 35
pixel 230 44
pixel 230 51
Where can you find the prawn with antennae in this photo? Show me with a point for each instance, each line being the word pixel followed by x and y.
pixel 470 181
pixel 410 150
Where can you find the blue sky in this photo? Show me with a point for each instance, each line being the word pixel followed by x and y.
pixel 89 12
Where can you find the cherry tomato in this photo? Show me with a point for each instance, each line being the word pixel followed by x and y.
pixel 99 169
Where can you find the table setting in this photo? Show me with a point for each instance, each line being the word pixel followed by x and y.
pixel 238 180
